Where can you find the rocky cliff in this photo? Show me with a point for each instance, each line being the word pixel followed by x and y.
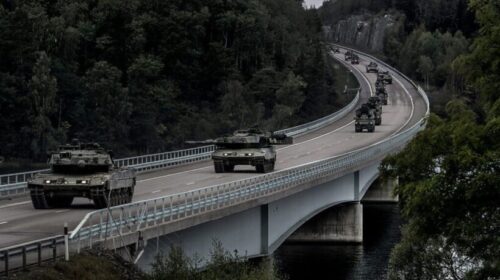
pixel 363 31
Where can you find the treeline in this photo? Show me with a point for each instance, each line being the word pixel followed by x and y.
pixel 143 76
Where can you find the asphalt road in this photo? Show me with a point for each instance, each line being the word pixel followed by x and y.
pixel 19 222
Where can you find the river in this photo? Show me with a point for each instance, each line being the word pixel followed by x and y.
pixel 367 261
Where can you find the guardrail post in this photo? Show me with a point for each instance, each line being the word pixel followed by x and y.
pixel 6 260
pixel 39 248
pixel 24 258
pixel 54 249
pixel 66 242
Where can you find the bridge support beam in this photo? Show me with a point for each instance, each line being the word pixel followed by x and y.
pixel 343 223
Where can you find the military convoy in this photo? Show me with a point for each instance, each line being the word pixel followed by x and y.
pixel 82 170
pixel 246 147
pixel 372 67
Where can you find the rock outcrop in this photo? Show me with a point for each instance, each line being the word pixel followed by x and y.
pixel 363 31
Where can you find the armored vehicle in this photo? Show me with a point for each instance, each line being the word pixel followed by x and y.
pixel 364 119
pixel 375 104
pixel 82 170
pixel 335 50
pixel 385 76
pixel 381 93
pixel 348 55
pixel 354 59
pixel 246 147
pixel 372 67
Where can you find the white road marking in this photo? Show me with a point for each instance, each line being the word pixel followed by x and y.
pixel 157 191
pixel 190 183
pixel 15 204
pixel 3 222
pixel 62 211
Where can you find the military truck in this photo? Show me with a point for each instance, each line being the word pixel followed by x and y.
pixel 354 59
pixel 375 104
pixel 364 119
pixel 246 147
pixel 385 76
pixel 372 67
pixel 348 55
pixel 381 93
pixel 82 170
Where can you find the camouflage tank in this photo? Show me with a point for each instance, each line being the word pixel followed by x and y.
pixel 246 147
pixel 385 77
pixel 364 119
pixel 372 67
pixel 82 170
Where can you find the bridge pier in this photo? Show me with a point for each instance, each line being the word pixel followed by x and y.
pixel 382 192
pixel 343 223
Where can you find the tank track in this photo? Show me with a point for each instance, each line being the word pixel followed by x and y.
pixel 41 200
pixel 116 197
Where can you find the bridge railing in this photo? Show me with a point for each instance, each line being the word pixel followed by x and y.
pixel 124 219
pixel 14 184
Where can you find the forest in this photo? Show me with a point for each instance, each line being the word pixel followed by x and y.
pixel 449 175
pixel 143 76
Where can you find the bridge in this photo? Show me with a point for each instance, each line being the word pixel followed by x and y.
pixel 180 200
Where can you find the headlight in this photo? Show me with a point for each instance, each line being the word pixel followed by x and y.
pixel 47 181
pixel 82 181
pixel 248 154
pixel 227 154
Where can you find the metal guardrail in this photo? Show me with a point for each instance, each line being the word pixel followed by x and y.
pixel 322 122
pixel 30 254
pixel 14 184
pixel 120 220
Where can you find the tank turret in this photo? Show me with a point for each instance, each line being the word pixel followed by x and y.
pixel 246 147
pixel 82 170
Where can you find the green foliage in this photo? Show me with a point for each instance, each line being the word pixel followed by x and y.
pixel 144 76
pixel 449 194
pixel 222 265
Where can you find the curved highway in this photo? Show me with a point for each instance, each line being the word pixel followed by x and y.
pixel 19 222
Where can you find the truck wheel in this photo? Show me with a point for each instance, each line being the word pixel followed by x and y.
pixel 219 167
pixel 378 121
pixel 371 129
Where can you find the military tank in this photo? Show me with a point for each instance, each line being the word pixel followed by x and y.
pixel 246 147
pixel 381 93
pixel 372 67
pixel 82 170
pixel 354 59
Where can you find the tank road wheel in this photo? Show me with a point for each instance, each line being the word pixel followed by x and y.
pixel 219 166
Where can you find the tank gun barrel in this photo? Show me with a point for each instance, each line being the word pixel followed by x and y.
pixel 208 141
